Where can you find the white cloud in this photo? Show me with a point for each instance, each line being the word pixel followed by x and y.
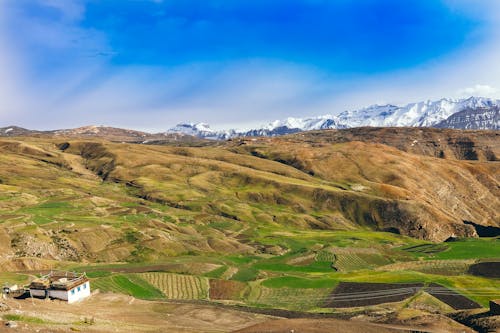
pixel 482 90
pixel 84 89
pixel 28 95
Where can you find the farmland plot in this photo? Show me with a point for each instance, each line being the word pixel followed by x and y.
pixel 350 262
pixel 176 286
pixel 351 258
pixel 226 290
pixel 323 256
pixel 128 284
pixel 488 269
pixel 451 297
pixel 440 267
pixel 428 249
pixel 291 298
pixel 352 294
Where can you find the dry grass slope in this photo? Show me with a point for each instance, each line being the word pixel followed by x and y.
pixel 74 199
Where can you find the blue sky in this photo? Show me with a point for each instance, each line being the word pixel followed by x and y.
pixel 336 36
pixel 152 64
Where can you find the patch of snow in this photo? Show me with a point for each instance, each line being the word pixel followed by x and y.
pixel 421 114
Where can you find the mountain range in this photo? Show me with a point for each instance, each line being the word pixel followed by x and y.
pixel 470 113
pixel 474 113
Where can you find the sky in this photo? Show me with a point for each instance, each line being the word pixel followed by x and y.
pixel 150 64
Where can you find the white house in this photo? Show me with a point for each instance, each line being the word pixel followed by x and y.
pixel 66 286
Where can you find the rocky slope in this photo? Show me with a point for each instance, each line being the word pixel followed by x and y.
pixel 478 118
pixel 442 143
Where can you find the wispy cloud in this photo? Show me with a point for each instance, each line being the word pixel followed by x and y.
pixel 479 90
pixel 57 72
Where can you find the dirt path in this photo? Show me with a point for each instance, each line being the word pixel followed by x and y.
pixel 118 313
pixel 320 326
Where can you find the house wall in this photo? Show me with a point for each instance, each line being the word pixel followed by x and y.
pixel 59 294
pixel 78 293
pixel 37 293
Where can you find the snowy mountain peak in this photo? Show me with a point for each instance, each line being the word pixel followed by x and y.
pixel 300 123
pixel 201 130
pixel 189 128
pixel 480 113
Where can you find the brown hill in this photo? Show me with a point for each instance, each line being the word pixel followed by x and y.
pixel 108 133
pixel 97 200
pixel 443 143
pixel 13 131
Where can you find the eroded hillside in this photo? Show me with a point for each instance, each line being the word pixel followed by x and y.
pixel 92 200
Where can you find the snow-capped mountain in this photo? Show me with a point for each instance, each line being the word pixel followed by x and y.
pixel 470 113
pixel 473 119
pixel 421 114
pixel 315 123
pixel 294 125
pixel 16 131
pixel 202 130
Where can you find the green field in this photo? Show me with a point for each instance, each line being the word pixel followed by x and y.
pixel 307 272
pixel 471 249
pixel 289 298
pixel 129 284
pixel 272 278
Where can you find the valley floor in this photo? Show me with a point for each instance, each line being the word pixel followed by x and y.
pixel 108 312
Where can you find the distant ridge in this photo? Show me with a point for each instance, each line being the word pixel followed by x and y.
pixel 474 113
pixel 470 113
pixel 108 133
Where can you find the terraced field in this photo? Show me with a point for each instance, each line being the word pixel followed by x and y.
pixel 290 298
pixel 325 256
pixel 350 259
pixel 426 248
pixel 488 269
pixel 227 290
pixel 176 286
pixel 348 294
pixel 128 284
pixel 438 267
pixel 451 297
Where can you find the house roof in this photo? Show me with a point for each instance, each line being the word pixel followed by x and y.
pixel 59 281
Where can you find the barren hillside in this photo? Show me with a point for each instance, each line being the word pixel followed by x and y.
pixel 97 200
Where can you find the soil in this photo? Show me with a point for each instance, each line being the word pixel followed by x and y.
pixel 351 294
pixel 322 326
pixel 480 321
pixel 119 313
pixel 487 269
pixel 226 290
pixel 452 298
